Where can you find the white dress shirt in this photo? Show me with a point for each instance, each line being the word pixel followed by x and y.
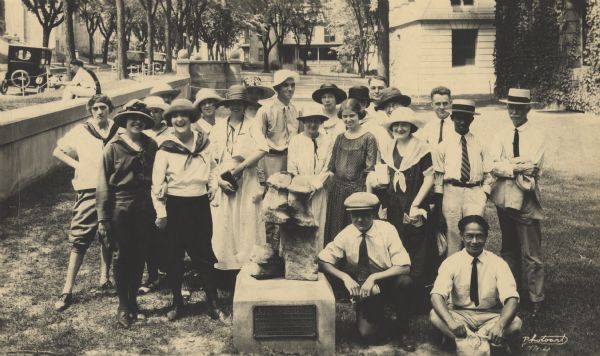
pixel 430 133
pixel 83 79
pixel 531 148
pixel 494 279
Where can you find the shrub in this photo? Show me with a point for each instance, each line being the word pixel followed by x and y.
pixel 274 65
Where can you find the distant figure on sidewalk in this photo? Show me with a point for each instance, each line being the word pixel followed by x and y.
pixel 85 83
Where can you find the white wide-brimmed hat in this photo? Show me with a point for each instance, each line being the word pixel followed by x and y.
pixel 282 75
pixel 402 114
pixel 156 102
pixel 164 89
pixel 518 96
pixel 206 94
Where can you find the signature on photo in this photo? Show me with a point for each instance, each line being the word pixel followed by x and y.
pixel 543 342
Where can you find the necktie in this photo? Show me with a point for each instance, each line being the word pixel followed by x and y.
pixel 474 283
pixel 316 155
pixel 286 132
pixel 363 261
pixel 516 144
pixel 441 130
pixel 465 167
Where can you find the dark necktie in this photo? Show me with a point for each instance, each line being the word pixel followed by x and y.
pixel 465 167
pixel 516 144
pixel 316 155
pixel 474 283
pixel 363 261
pixel 441 130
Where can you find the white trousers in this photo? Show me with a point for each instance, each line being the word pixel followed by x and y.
pixel 72 91
pixel 457 203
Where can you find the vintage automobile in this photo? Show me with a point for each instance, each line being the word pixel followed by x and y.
pixel 28 67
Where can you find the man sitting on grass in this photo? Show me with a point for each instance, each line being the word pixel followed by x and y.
pixel 377 268
pixel 483 292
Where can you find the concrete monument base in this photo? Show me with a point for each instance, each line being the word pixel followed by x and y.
pixel 283 316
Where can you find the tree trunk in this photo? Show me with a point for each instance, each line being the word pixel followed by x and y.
pixel 91 51
pixel 121 49
pixel 46 36
pixel 70 34
pixel 150 28
pixel 266 51
pixel 304 64
pixel 383 45
pixel 168 49
pixel 105 46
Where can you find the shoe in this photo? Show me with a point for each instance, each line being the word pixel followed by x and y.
pixel 107 285
pixel 175 313
pixel 148 286
pixel 217 314
pixel 536 309
pixel 406 343
pixel 64 301
pixel 137 314
pixel 123 318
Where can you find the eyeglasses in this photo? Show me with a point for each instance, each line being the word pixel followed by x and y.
pixel 99 107
pixel 478 237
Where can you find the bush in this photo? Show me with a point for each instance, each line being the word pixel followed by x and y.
pixel 371 72
pixel 274 65
pixel 300 66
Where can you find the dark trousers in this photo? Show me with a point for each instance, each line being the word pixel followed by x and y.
pixel 189 229
pixel 155 258
pixel 132 225
pixel 395 290
pixel 522 246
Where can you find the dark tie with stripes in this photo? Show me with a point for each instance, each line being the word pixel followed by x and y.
pixel 465 167
pixel 441 130
pixel 516 144
pixel 474 283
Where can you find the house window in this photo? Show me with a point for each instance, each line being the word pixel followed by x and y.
pixel 464 43
pixel 461 2
pixel 328 36
pixel 261 55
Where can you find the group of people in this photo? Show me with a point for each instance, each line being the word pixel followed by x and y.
pixel 392 199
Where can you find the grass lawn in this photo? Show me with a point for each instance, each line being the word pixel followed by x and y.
pixel 34 250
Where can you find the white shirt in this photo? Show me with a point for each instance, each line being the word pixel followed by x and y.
pixel 83 79
pixel 302 159
pixel 190 181
pixel 278 123
pixel 430 133
pixel 531 148
pixel 494 279
pixel 382 136
pixel 160 135
pixel 333 126
pixel 383 244
pixel 88 152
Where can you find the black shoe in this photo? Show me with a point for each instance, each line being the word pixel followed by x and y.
pixel 137 314
pixel 64 301
pixel 406 343
pixel 123 318
pixel 175 313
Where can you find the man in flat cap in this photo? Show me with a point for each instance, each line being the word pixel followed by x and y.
pixel 517 157
pixel 377 268
pixel 462 172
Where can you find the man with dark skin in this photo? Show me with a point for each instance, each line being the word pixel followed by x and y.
pixel 478 281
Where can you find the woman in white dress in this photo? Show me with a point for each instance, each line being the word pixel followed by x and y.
pixel 308 155
pixel 239 225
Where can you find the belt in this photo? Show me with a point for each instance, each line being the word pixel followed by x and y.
pixel 457 183
pixel 278 153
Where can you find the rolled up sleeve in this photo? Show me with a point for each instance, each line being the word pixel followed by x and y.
pixel 443 283
pixel 398 254
pixel 505 282
pixel 334 251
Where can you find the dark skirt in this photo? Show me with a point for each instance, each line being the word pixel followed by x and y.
pixel 337 217
pixel 189 227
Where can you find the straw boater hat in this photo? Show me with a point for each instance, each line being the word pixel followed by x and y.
pixel 464 106
pixel 164 89
pixel 206 94
pixel 282 75
pixel 361 201
pixel 181 106
pixel 518 97
pixel 156 102
pixel 360 93
pixel 339 94
pixel 134 109
pixel 235 93
pixel 402 114
pixel 392 95
pixel 313 115
pixel 256 82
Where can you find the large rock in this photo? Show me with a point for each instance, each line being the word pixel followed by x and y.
pixel 299 252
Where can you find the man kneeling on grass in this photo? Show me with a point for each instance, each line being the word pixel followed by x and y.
pixel 483 292
pixel 377 267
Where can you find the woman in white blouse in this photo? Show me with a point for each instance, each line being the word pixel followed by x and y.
pixel 308 155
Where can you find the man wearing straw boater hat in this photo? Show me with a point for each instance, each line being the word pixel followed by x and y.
pixel 329 95
pixel 277 122
pixel 517 157
pixel 462 172
pixel 376 270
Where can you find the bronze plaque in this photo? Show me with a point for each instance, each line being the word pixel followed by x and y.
pixel 285 321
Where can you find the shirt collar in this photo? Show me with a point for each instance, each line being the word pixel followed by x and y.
pixel 173 137
pixel 370 233
pixel 483 256
pixel 523 127
pixel 129 142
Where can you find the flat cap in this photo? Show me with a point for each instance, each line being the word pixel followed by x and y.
pixel 361 201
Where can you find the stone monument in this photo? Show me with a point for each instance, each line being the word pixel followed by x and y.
pixel 281 303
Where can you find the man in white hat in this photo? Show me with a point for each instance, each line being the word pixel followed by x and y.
pixel 277 121
pixel 462 172
pixel 517 157
pixel 377 270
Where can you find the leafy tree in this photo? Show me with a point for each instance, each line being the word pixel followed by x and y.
pixel 218 28
pixel 107 24
pixel 90 11
pixel 167 6
pixel 304 21
pixel 382 35
pixel 150 7
pixel 121 49
pixel 69 8
pixel 49 13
